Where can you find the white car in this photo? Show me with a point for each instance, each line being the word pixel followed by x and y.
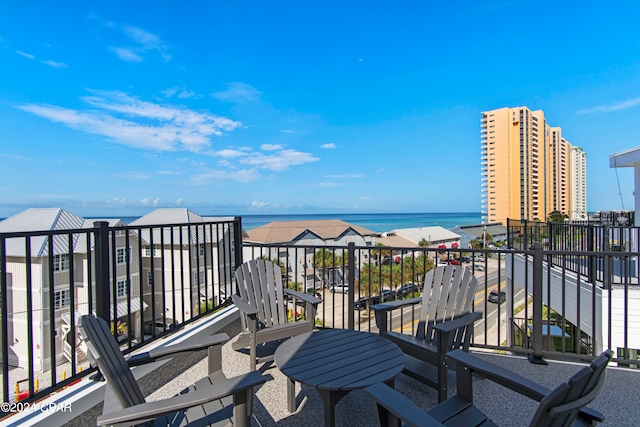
pixel 340 287
pixel 478 267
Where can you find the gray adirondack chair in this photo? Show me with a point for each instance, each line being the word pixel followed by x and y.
pixel 445 321
pixel 263 308
pixel 563 406
pixel 210 401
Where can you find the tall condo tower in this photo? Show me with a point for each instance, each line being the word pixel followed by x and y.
pixel 526 166
pixel 579 183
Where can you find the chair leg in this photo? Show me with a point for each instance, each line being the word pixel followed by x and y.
pixel 442 378
pixel 241 408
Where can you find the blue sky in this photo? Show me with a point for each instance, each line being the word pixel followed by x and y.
pixel 115 108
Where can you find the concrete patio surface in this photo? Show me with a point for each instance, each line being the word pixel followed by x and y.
pixel 618 400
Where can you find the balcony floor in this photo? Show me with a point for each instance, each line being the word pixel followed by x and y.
pixel 618 400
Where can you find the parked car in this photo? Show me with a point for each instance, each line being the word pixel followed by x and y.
pixel 339 287
pixel 478 267
pixel 497 297
pixel 364 302
pixel 463 259
pixel 453 262
pixel 478 258
pixel 407 288
pixel 387 295
pixel 158 327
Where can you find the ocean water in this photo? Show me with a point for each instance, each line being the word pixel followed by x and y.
pixel 378 222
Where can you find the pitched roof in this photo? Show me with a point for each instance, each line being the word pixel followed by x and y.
pixel 395 241
pixel 287 231
pixel 432 234
pixel 494 229
pixel 168 216
pixel 41 219
pixel 192 235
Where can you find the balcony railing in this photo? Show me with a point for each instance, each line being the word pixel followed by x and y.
pixel 146 280
pixel 169 275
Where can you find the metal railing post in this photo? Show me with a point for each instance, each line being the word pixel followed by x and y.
pixel 591 262
pixel 103 298
pixel 536 357
pixel 351 271
pixel 237 240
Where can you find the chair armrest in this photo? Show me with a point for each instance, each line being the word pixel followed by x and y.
pixel 243 306
pixel 382 309
pixel 303 296
pixel 458 322
pixel 152 410
pixel 497 374
pixel 392 305
pixel 510 380
pixel 401 407
pixel 188 346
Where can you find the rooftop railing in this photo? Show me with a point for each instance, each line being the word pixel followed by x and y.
pixel 149 279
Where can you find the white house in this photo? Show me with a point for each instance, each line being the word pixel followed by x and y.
pixel 191 263
pixel 299 261
pixel 39 265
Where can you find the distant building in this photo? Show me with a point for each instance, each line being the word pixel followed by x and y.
pixel 299 262
pixel 195 268
pixel 433 237
pixel 69 263
pixel 579 183
pixel 527 167
pixel 471 232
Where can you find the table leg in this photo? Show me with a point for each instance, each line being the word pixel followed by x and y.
pixel 291 395
pixel 330 399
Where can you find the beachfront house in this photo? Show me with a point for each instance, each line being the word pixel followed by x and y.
pixel 303 265
pixel 186 266
pixel 30 279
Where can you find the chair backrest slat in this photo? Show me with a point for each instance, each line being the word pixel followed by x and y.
pixel 104 350
pixel 448 292
pixel 562 405
pixel 260 285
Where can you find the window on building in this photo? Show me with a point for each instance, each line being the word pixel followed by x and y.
pixel 61 299
pixel 147 251
pixel 201 250
pixel 149 278
pixel 122 255
pixel 61 262
pixel 122 288
pixel 198 277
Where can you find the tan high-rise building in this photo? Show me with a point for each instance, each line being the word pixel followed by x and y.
pixel 526 166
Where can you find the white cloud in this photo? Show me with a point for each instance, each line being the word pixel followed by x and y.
pixel 135 175
pixel 278 161
pixel 286 131
pixel 237 92
pixel 168 173
pixel 345 176
pixel 329 146
pixel 25 54
pixel 179 202
pixel 54 64
pixel 140 124
pixel 145 42
pixel 229 153
pixel 607 108
pixel 126 54
pixel 244 175
pixel 256 204
pixel 271 147
pixel 180 92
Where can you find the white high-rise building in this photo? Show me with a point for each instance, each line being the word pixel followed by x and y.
pixel 578 183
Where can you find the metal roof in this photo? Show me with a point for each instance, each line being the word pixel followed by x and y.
pixel 40 219
pixel 432 234
pixel 191 234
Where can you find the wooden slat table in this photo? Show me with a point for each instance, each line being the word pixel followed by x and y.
pixel 336 361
